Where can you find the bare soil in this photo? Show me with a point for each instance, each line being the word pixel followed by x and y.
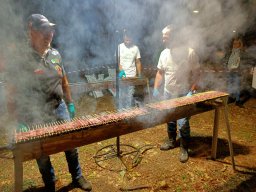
pixel 153 170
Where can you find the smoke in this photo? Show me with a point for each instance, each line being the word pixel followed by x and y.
pixel 88 32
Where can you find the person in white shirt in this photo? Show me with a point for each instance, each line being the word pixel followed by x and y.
pixel 129 67
pixel 234 78
pixel 179 68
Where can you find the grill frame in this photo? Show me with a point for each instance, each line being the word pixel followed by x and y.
pixel 24 151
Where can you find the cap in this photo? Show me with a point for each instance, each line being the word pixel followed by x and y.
pixel 39 22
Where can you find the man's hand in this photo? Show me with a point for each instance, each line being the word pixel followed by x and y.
pixel 190 93
pixel 71 110
pixel 22 128
pixel 121 74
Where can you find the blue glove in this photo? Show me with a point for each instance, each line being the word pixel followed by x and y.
pixel 190 93
pixel 156 93
pixel 71 110
pixel 121 74
pixel 22 128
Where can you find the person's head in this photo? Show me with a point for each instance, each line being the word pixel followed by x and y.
pixel 40 32
pixel 237 42
pixel 127 37
pixel 166 32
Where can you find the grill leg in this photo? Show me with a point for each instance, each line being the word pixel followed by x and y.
pixel 225 101
pixel 18 171
pixel 118 146
pixel 215 133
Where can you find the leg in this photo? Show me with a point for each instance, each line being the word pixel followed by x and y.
pixel 172 133
pixel 47 172
pixel 237 85
pixel 75 170
pixel 73 163
pixel 123 97
pixel 184 133
pixel 171 130
pixel 130 96
pixel 230 86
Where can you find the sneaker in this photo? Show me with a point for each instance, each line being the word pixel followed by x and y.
pixel 82 183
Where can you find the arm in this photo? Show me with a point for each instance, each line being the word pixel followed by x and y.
pixel 138 67
pixel 195 79
pixel 196 72
pixel 158 79
pixel 66 89
pixel 68 98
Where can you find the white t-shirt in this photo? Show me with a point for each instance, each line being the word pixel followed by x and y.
pixel 128 56
pixel 178 65
pixel 234 59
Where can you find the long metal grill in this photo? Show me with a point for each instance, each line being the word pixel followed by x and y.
pixel 37 132
pixel 60 136
pixel 187 100
pixel 84 122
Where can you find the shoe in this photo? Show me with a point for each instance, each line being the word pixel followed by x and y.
pixel 50 187
pixel 82 183
pixel 168 144
pixel 183 155
pixel 183 150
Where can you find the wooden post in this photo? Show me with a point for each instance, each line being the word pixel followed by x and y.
pixel 215 133
pixel 18 171
pixel 225 102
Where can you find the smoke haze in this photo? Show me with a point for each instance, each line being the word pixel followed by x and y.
pixel 87 32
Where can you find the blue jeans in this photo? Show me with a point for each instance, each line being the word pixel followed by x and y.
pixel 126 99
pixel 44 163
pixel 183 124
pixel 234 83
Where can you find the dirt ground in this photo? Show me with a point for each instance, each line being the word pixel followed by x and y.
pixel 150 170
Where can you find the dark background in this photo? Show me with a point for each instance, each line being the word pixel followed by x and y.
pixel 88 31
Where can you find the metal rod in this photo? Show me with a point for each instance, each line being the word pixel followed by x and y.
pixel 117 88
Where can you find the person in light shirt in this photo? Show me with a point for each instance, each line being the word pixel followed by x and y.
pixel 179 70
pixel 129 67
pixel 234 78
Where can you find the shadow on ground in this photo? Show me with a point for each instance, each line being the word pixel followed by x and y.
pixel 248 185
pixel 201 147
pixel 67 188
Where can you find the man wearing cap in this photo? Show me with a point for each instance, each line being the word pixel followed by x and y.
pixel 44 96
